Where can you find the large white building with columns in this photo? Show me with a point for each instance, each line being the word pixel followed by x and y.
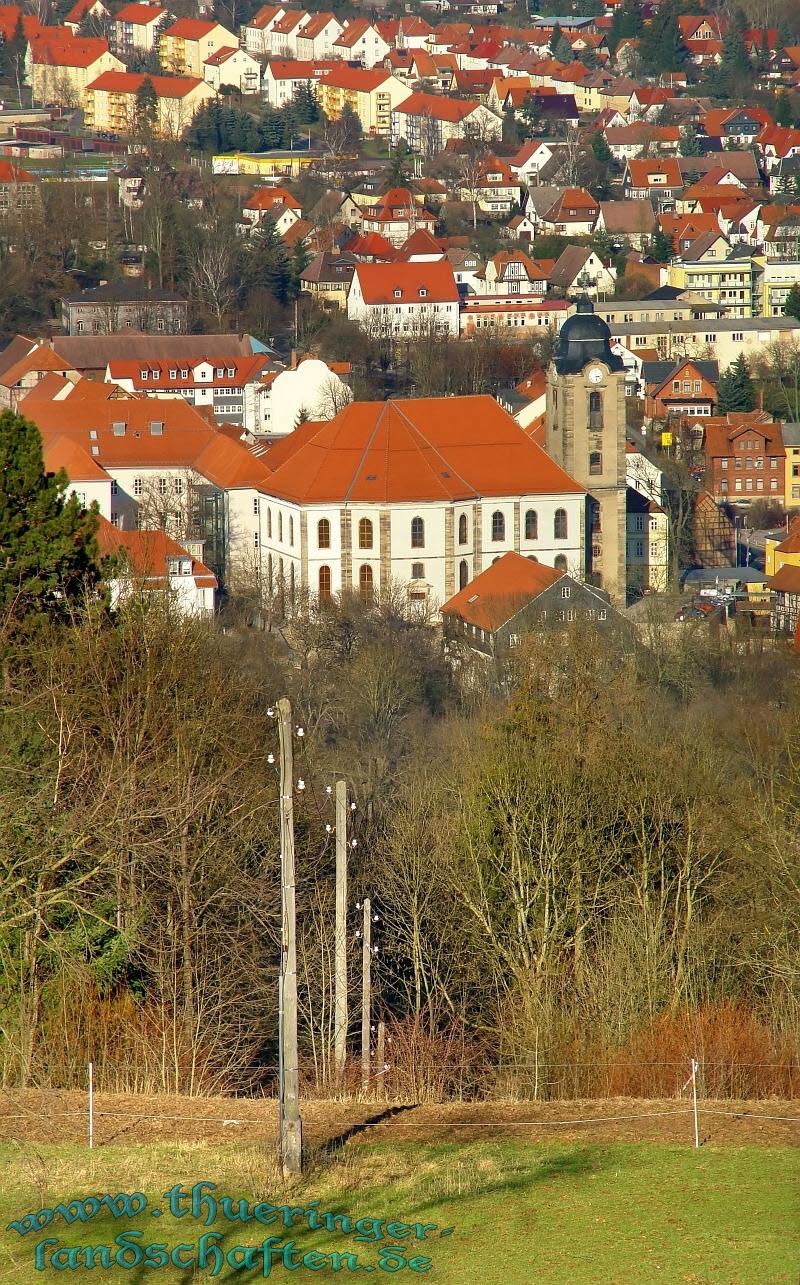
pixel 420 493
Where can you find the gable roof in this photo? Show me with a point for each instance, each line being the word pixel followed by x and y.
pixel 503 589
pixel 437 106
pixel 379 281
pixel 129 82
pixel 140 15
pixel 415 450
pixel 146 555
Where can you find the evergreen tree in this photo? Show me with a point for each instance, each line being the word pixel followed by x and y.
pixel 554 39
pixel 626 23
pixel 49 557
pixel 736 390
pixel 783 108
pixel 146 105
pixel 661 246
pixel 689 144
pixel 735 66
pixel 602 152
pixel 563 51
pixel 662 47
pixel 791 307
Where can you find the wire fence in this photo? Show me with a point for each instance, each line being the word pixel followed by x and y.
pixel 94 1121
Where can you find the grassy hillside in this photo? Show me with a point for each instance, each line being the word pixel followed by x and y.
pixel 511 1212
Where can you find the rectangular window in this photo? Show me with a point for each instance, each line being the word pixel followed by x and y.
pixel 162 486
pixel 255 539
pixel 255 506
pixel 565 591
pixel 137 486
pixel 114 487
pixel 724 462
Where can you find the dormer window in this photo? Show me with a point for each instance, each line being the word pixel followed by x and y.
pixel 398 294
pixel 173 374
pixel 144 374
pixel 184 374
pixel 155 374
pixel 422 292
pixel 231 372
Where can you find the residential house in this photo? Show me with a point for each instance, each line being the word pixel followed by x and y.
pixel 427 122
pixel 516 596
pixel 110 102
pixel 328 277
pixel 234 67
pixel 725 275
pixel 374 95
pixel 687 387
pixel 647 540
pixel 631 222
pixel 124 306
pixel 255 33
pixel 311 390
pixel 512 315
pixel 275 201
pixel 185 46
pixel 59 70
pixel 284 77
pixel 784 552
pixel 784 590
pixel 234 389
pixel 151 562
pixel 404 299
pixel 24 364
pixel 396 216
pixel 570 211
pixel 361 41
pixel 579 269
pixel 745 457
pixel 280 36
pixel 19 190
pixel 136 27
pixel 494 189
pixel 656 179
pixel 513 272
pixel 317 37
pixel 422 493
pixel 790 434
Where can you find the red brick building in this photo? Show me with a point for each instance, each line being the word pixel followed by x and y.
pixel 746 458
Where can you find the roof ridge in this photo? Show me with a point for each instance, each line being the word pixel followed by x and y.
pixel 367 444
pixel 436 452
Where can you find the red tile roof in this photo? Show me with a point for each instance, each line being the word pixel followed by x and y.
pixel 787 579
pixel 379 281
pixel 146 554
pixel 437 106
pixel 141 15
pixel 70 52
pixel 359 78
pixel 498 593
pixel 422 449
pixel 128 82
pixel 190 29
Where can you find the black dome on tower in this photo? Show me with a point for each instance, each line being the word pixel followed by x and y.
pixel 584 337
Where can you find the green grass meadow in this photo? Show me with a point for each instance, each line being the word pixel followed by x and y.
pixel 513 1213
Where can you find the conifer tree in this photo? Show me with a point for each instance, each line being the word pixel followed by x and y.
pixel 791 307
pixel 48 552
pixel 736 390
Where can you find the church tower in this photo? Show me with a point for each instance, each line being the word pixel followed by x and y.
pixel 586 435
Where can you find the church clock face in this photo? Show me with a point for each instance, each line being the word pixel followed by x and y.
pixel 595 375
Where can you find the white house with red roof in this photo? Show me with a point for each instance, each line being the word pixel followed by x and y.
pixel 281 37
pixel 422 493
pixel 236 390
pixel 284 76
pixel 83 9
pixel 396 216
pixel 317 37
pixel 277 203
pixel 136 27
pixel 59 67
pixel 404 299
pixel 233 66
pixel 151 562
pixel 255 33
pixel 361 41
pixel 427 122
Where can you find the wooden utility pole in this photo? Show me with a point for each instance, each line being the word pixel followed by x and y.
pixel 291 1126
pixel 340 946
pixel 380 1061
pixel 366 995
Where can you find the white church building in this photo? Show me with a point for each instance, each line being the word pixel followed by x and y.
pixel 423 493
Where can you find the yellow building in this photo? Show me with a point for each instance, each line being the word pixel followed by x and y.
pixel 791 442
pixel 783 553
pixel 264 164
pixel 712 270
pixel 110 102
pixel 186 45
pixel 59 72
pixel 372 95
